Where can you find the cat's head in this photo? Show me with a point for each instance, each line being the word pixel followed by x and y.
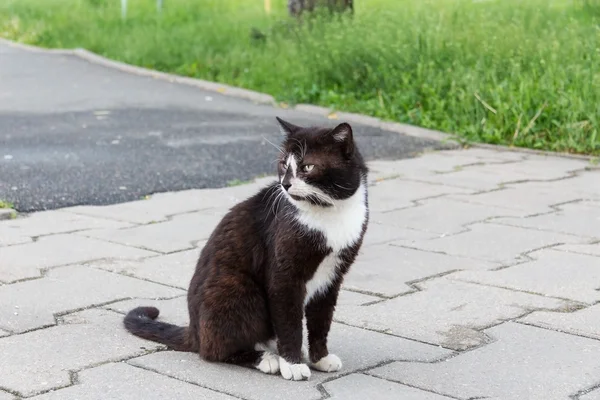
pixel 320 166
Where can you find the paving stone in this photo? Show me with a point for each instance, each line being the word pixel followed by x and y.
pixel 46 356
pixel 348 298
pixel 174 269
pixel 52 222
pixel 160 206
pixel 582 219
pixel 26 260
pixel 65 289
pixel 523 363
pixel 552 273
pixel 493 242
pixel 12 240
pixel 386 269
pixel 454 322
pixel 6 396
pixel 590 249
pixel 585 322
pixel 431 164
pixel 486 155
pixel 527 198
pixel 3 333
pixel 357 348
pixel 378 232
pixel 443 216
pixel 394 194
pixel 490 176
pixel 123 381
pixel 360 387
pixel 584 185
pixel 183 232
pixel 593 395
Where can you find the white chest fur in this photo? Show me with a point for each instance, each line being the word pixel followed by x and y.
pixel 341 225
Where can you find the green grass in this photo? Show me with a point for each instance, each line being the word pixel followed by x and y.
pixel 6 204
pixel 522 73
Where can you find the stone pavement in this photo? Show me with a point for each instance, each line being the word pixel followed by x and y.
pixel 479 279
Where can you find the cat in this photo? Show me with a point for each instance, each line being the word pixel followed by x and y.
pixel 276 259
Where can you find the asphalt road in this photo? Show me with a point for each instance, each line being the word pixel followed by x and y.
pixel 72 132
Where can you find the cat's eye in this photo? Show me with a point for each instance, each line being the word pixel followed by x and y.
pixel 307 168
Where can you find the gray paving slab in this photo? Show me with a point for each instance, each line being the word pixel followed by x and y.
pixel 3 333
pixel 40 360
pixel 378 232
pixel 490 155
pixel 53 222
pixel 360 387
pixel 26 260
pixel 433 164
pixel 456 312
pixel 530 199
pixel 590 249
pixel 495 243
pixel 551 273
pixel 443 216
pixel 393 194
pixel 490 176
pixel 593 395
pixel 357 348
pixel 174 269
pixel 182 232
pixel 12 240
pixel 581 219
pixel 350 298
pixel 80 133
pixel 123 381
pixel 583 186
pixel 523 363
pixel 387 270
pixel 585 322
pixel 65 289
pixel 161 206
pixel 6 396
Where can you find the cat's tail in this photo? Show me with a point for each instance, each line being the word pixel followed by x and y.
pixel 141 321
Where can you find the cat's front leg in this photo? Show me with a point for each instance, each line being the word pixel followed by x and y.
pixel 319 314
pixel 286 303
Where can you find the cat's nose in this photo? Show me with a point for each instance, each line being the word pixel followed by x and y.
pixel 286 186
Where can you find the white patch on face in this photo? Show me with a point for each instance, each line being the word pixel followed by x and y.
pixel 302 189
pixel 292 163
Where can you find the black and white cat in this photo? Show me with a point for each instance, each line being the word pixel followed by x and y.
pixel 274 259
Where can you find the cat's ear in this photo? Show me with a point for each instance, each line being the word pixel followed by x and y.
pixel 286 128
pixel 343 134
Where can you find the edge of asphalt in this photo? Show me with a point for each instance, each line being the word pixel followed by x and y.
pixel 263 98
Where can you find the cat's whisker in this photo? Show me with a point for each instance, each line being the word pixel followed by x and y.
pixel 342 187
pixel 274 145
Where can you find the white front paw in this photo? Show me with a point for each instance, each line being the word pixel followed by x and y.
pixel 329 363
pixel 269 364
pixel 296 372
